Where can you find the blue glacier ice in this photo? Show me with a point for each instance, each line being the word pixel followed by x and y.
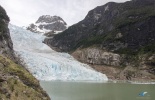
pixel 47 64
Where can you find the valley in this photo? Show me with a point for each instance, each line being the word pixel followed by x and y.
pixel 107 55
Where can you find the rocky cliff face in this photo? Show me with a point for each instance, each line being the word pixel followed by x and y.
pixel 118 66
pixel 6 46
pixel 123 35
pixel 47 23
pixel 16 83
pixel 97 56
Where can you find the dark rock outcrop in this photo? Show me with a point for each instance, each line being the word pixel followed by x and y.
pixel 6 45
pixel 47 23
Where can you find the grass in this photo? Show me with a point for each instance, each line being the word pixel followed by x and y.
pixel 19 82
pixel 138 14
pixel 18 91
pixel 150 48
pixel 90 41
pixel 97 40
pixel 16 70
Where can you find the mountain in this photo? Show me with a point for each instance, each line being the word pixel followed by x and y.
pixel 47 23
pixel 121 35
pixel 16 83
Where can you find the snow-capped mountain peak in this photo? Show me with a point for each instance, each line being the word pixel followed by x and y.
pixel 50 19
pixel 47 23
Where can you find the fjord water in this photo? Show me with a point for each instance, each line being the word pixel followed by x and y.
pixel 58 90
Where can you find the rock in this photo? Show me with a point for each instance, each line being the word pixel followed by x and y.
pixel 97 57
pixel 119 35
pixel 47 23
pixel 50 34
pixel 2 79
pixel 6 45
pixel 1 66
pixel 24 92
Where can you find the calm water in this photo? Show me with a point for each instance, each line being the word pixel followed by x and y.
pixel 98 91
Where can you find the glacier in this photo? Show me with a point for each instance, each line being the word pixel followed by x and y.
pixel 47 64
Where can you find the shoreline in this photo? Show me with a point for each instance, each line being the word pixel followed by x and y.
pixel 104 82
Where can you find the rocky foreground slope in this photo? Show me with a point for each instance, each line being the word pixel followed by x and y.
pixel 16 83
pixel 121 35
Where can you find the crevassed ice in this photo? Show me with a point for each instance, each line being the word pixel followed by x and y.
pixel 47 64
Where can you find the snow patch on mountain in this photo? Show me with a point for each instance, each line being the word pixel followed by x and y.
pixel 47 64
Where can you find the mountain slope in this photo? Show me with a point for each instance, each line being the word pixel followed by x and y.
pixel 16 83
pixel 115 34
pixel 106 22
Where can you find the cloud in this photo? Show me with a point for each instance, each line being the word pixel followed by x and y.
pixel 24 12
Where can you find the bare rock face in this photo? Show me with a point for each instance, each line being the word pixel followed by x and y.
pixel 47 23
pixel 6 45
pixel 97 57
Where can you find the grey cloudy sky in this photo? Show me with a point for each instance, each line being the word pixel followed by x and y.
pixel 24 12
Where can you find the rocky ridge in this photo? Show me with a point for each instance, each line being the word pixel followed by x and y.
pixel 47 23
